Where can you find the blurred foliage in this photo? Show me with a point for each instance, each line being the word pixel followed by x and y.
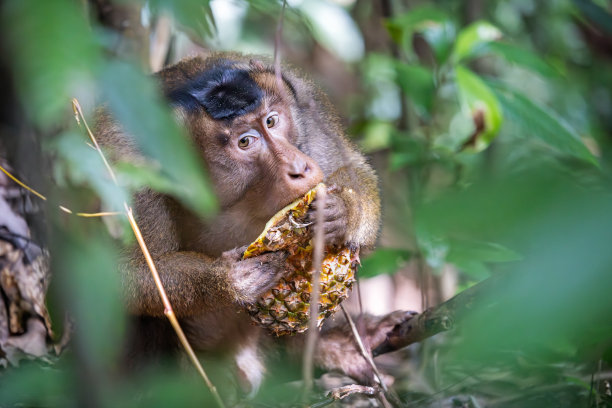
pixel 489 122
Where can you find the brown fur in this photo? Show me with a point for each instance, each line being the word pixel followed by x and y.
pixel 202 272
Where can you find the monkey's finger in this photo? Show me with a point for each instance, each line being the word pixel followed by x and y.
pixel 330 214
pixel 234 254
pixel 336 225
pixel 335 214
pixel 336 235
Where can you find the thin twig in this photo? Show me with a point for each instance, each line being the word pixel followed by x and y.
pixel 90 215
pixel 319 246
pixel 16 180
pixel 277 45
pixel 78 115
pixel 368 357
pixel 61 207
pixel 362 348
pixel 168 311
pixel 347 390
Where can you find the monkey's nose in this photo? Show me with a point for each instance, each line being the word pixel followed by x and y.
pixel 298 169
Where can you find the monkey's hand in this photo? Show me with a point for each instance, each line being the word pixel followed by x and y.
pixel 337 349
pixel 251 278
pixel 335 217
pixel 354 195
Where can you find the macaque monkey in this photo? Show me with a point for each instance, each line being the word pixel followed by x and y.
pixel 263 147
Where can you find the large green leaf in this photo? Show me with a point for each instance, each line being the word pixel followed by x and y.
pixel 194 15
pixel 383 261
pixel 472 257
pixel 135 102
pixel 599 15
pixel 90 286
pixel 478 99
pixel 82 165
pixel 418 83
pixel 402 27
pixel 53 51
pixel 521 56
pixel 474 36
pixel 540 122
pixel 414 20
pixel 461 249
pixel 441 39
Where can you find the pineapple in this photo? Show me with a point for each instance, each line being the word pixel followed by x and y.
pixel 285 309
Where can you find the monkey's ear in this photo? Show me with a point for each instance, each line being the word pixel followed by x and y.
pixel 223 91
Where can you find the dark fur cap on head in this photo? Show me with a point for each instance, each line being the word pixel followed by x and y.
pixel 224 92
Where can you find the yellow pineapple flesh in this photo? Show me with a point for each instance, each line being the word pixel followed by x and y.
pixel 285 309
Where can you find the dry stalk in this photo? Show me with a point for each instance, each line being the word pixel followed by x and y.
pixel 16 180
pixel 168 311
pixel 61 207
pixel 319 246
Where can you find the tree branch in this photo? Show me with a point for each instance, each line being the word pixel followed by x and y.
pixel 434 320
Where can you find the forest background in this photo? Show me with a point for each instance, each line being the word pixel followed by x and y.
pixel 489 124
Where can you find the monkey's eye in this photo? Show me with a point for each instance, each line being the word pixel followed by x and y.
pixel 272 119
pixel 246 140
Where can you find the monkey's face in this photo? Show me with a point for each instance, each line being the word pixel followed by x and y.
pixel 245 130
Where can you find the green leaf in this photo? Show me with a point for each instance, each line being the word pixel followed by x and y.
pixel 599 15
pixel 540 122
pixel 91 288
pixel 83 166
pixel 418 83
pixel 53 386
pixel 474 269
pixel 137 104
pixel 477 97
pixel 194 15
pixel 384 261
pixel 403 26
pixel 521 56
pixel 474 36
pixel 141 175
pixel 51 59
pixel 482 251
pixel 441 38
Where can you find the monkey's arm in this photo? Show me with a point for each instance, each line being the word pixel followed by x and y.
pixel 196 283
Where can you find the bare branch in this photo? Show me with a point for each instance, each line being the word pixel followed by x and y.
pixel 433 320
pixel 319 246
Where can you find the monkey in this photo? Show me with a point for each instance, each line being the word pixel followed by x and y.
pixel 264 140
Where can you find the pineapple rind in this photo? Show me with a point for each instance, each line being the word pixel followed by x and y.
pixel 285 309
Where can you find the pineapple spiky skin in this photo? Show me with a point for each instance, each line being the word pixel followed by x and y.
pixel 285 309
